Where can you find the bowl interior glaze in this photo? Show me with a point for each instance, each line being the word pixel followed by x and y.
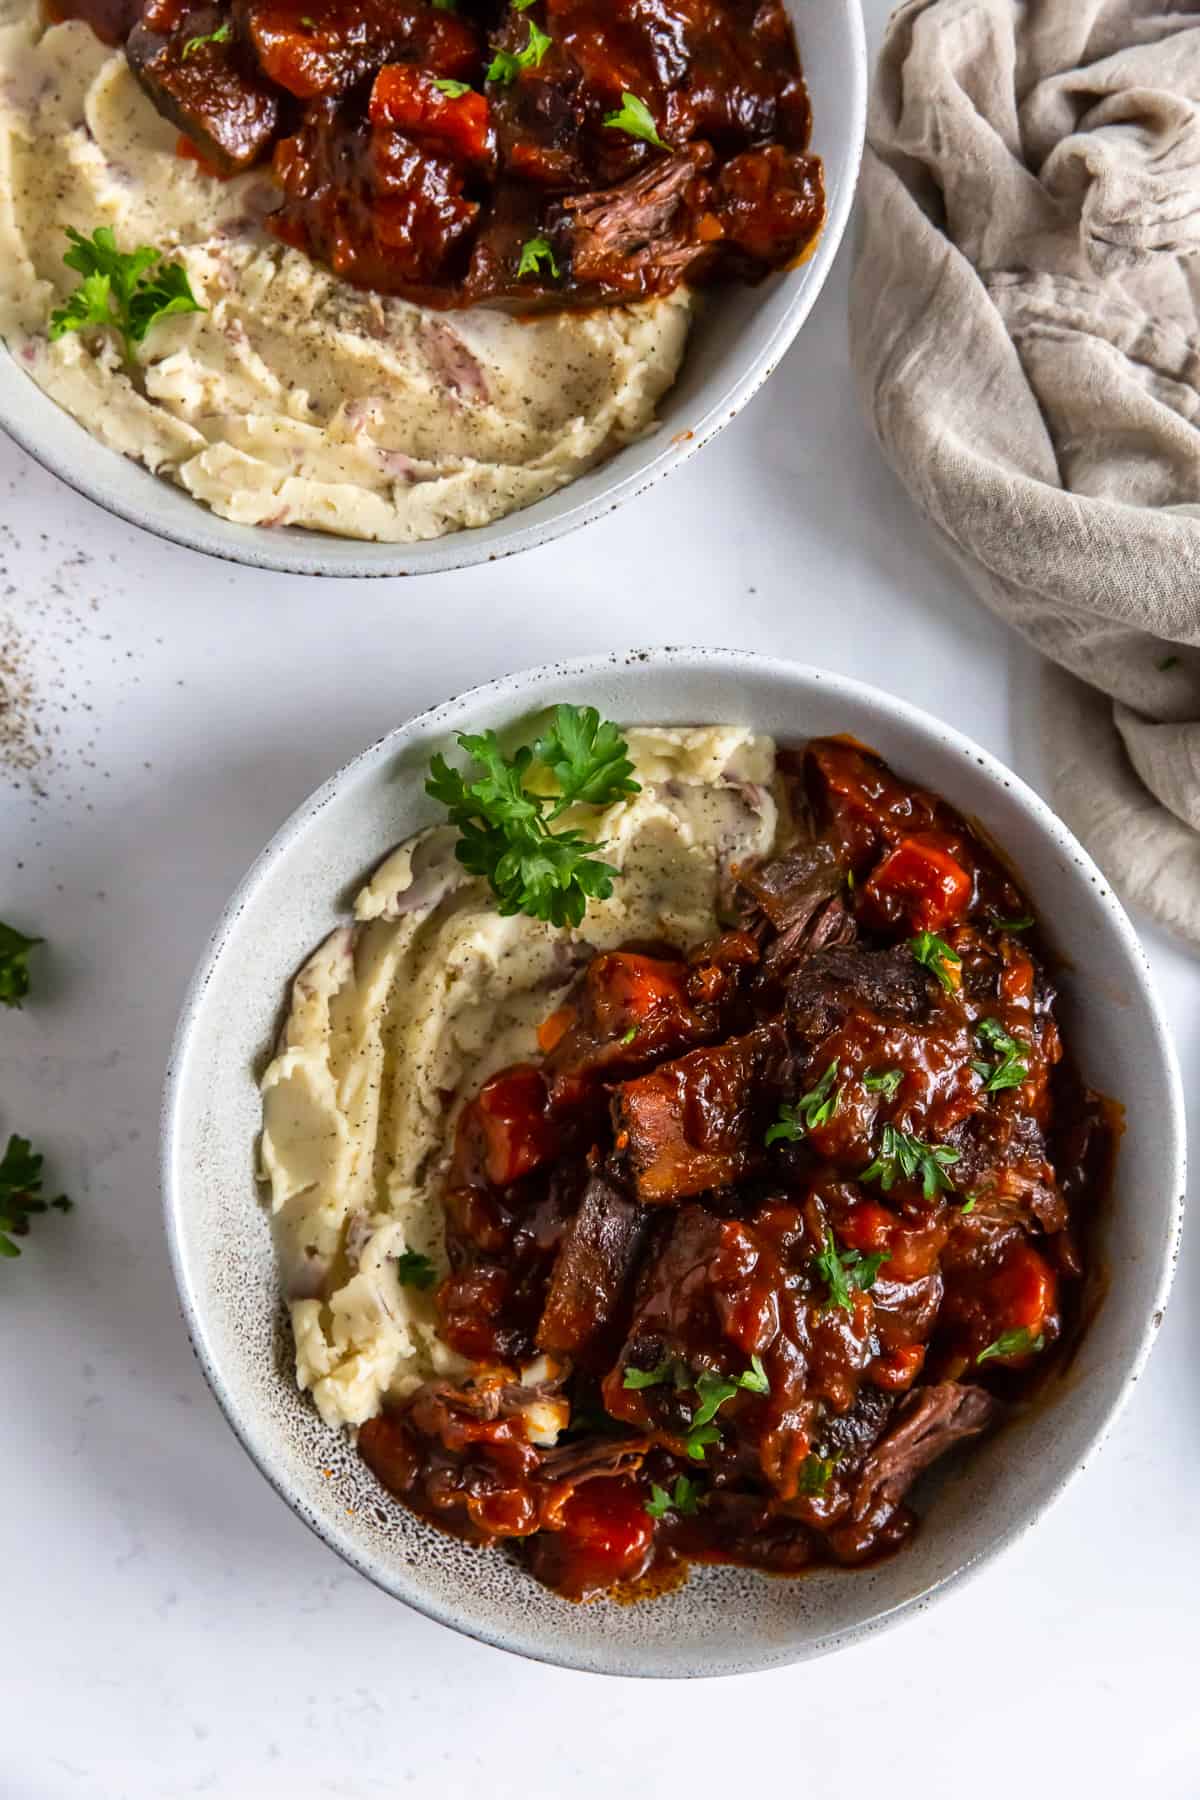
pixel 723 1620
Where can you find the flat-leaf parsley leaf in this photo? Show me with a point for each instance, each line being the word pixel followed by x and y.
pixel 221 35
pixel 414 1270
pixel 504 826
pixel 684 1498
pixel 937 956
pixel 506 65
pixel 636 119
pixel 901 1156
pixel 534 252
pixel 1018 1342
pixel 842 1270
pixel 21 1193
pixel 14 964
pixel 125 292
pixel 815 1108
pixel 1013 1066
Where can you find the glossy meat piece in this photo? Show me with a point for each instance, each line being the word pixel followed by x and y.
pixel 592 1273
pixel 322 48
pixel 640 237
pixel 699 1123
pixel 832 984
pixel 382 210
pixel 210 91
pixel 629 1010
pixel 927 1423
pixel 767 203
pixel 452 1455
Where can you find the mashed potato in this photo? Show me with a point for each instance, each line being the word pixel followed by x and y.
pixel 292 399
pixel 396 1020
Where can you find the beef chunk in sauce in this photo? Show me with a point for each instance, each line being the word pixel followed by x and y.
pixel 463 154
pixel 789 1219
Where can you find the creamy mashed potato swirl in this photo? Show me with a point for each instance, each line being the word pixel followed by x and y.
pixel 293 398
pixel 398 1019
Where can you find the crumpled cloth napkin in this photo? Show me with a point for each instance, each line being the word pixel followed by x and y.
pixel 1025 328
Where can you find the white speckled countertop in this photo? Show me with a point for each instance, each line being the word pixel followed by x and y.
pixel 170 1628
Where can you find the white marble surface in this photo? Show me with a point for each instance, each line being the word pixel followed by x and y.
pixel 170 1629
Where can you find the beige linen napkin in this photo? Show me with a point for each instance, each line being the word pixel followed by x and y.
pixel 1025 326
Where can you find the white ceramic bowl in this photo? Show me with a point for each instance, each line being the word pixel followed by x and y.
pixel 736 344
pixel 723 1620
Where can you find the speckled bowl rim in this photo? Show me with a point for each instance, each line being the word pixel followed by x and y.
pixel 730 663
pixel 57 441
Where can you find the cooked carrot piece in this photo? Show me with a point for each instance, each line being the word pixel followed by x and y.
pixel 920 881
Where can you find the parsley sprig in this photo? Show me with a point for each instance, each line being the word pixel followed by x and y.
pixel 937 956
pixel 883 1081
pixel 815 1108
pixel 505 827
pixel 21 1193
pixel 842 1270
pixel 14 964
pixel 506 65
pixel 1021 1341
pixel 684 1498
pixel 125 292
pixel 1012 1068
pixel 903 1156
pixel 636 120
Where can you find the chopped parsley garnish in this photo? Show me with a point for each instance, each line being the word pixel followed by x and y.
pixel 815 1108
pixel 221 35
pixel 445 5
pixel 816 1472
pixel 125 293
pixel 1021 924
pixel 1018 1342
pixel 635 119
pixel 504 827
pixel 684 1499
pixel 629 1037
pixel 698 1438
pixel 588 757
pixel 907 1157
pixel 842 1270
pixel 415 1270
pixel 1013 1066
pixel 937 956
pixel 534 252
pixel 883 1081
pixel 669 1369
pixel 506 65
pixel 21 1193
pixel 453 90
pixel 14 964
pixel 969 1204
pixel 714 1390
